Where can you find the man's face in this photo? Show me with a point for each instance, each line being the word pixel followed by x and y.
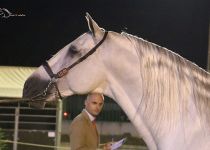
pixel 94 104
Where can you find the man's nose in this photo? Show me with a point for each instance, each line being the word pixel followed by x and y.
pixel 98 107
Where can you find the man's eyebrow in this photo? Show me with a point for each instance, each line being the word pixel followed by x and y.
pixel 97 102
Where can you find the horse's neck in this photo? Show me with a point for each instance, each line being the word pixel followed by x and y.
pixel 126 88
pixel 123 76
pixel 177 137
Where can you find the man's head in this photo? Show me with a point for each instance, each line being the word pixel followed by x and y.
pixel 94 103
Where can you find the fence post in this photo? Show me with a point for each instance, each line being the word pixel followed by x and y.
pixel 58 123
pixel 17 113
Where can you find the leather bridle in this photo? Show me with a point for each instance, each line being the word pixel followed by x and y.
pixel 64 71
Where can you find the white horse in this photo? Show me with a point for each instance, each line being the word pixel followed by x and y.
pixel 165 96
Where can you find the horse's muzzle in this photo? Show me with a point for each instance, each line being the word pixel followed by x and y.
pixel 33 92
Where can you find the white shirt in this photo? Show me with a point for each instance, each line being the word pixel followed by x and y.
pixel 91 117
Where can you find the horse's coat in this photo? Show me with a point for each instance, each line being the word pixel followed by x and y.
pixel 165 96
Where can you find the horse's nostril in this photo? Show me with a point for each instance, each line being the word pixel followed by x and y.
pixel 25 89
pixel 26 86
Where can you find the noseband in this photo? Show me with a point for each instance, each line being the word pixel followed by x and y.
pixel 64 71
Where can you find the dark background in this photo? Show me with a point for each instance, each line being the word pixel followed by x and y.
pixel 179 25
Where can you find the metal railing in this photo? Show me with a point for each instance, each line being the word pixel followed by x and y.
pixel 28 118
pixel 18 118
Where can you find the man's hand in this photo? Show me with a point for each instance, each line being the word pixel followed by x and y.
pixel 107 146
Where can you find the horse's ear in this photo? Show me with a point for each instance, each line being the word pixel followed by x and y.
pixel 93 26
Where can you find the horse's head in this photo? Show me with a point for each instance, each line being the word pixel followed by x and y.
pixel 83 71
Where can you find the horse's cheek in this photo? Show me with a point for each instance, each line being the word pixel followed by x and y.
pixel 78 83
pixel 84 83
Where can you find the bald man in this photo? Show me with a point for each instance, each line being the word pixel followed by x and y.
pixel 83 132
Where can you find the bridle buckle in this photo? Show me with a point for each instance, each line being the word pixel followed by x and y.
pixel 62 73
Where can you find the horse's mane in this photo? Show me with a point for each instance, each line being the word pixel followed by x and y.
pixel 173 88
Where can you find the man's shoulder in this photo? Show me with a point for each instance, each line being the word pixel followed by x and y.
pixel 79 122
pixel 81 118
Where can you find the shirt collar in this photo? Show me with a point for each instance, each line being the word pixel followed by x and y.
pixel 91 117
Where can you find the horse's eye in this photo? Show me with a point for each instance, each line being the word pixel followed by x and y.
pixel 73 50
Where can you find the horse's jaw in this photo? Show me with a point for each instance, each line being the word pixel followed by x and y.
pixel 80 91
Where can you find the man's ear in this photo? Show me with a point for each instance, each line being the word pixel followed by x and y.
pixel 93 26
pixel 85 103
